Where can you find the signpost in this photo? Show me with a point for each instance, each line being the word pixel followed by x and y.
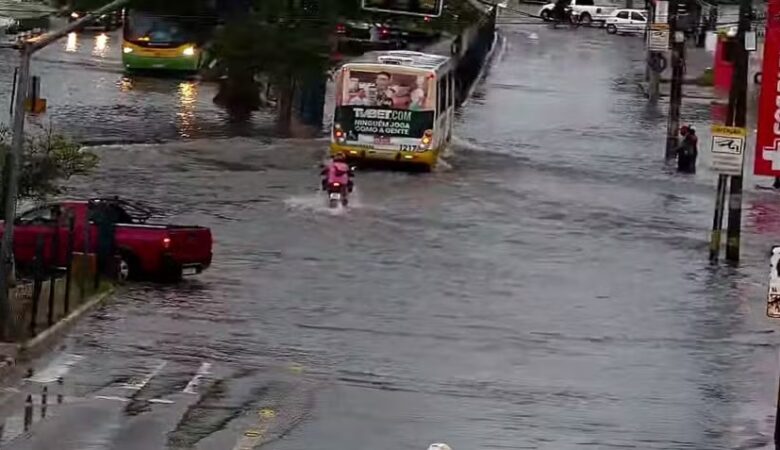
pixel 658 37
pixel 728 149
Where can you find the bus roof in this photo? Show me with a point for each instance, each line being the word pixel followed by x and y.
pixel 403 58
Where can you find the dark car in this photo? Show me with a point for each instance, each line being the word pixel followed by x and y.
pixel 107 22
pixel 359 37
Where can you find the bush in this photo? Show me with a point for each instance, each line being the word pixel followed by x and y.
pixel 48 161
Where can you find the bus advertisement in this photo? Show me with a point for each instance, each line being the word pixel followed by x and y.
pixel 392 113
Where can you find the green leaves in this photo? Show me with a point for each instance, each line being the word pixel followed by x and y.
pixel 49 160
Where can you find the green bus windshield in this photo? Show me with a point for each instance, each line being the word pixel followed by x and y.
pixel 162 31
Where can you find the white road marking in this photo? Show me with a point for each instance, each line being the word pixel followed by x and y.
pixel 57 368
pixel 113 398
pixel 160 401
pixel 139 384
pixel 193 384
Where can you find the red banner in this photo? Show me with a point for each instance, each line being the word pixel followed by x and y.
pixel 768 137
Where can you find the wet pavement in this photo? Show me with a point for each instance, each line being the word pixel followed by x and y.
pixel 547 288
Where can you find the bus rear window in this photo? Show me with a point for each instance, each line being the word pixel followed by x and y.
pixel 387 90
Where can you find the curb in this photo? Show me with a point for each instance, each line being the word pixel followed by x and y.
pixel 9 365
pixel 65 322
pixel 643 88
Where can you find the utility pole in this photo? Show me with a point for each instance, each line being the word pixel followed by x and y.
pixel 653 57
pixel 13 157
pixel 677 41
pixel 737 116
pixel 11 181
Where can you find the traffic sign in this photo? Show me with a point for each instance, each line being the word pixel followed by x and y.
pixel 773 295
pixel 728 149
pixel 658 37
pixel 662 11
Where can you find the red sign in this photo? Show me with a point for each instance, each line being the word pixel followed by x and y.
pixel 768 137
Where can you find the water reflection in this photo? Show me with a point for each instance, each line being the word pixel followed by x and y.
pixel 188 94
pixel 72 43
pixel 101 45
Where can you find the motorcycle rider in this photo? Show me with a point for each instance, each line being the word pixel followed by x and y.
pixel 337 171
pixel 559 10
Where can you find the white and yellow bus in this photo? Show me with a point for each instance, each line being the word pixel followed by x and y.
pixel 399 107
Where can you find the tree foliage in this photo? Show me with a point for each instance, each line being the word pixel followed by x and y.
pixel 49 160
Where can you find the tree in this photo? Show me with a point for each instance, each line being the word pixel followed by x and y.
pixel 285 41
pixel 49 160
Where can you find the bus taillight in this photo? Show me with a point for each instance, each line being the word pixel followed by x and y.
pixel 427 139
pixel 338 133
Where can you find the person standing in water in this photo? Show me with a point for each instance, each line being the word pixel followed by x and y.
pixel 687 151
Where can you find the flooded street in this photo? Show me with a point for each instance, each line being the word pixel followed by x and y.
pixel 90 97
pixel 548 288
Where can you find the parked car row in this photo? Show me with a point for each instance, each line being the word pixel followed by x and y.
pixel 614 20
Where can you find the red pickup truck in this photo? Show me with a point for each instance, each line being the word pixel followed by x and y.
pixel 145 250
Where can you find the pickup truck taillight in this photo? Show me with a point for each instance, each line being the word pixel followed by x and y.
pixel 166 243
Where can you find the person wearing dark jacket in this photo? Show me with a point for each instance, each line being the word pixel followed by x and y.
pixel 687 151
pixel 559 10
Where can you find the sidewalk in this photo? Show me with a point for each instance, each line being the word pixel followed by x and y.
pixel 697 60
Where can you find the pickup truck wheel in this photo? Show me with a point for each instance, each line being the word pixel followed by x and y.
pixel 127 267
pixel 586 19
pixel 545 15
pixel 611 29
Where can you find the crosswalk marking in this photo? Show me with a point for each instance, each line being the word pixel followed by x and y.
pixel 203 370
pixel 57 368
pixel 112 398
pixel 140 383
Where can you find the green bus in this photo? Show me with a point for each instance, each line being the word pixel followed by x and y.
pixel 165 42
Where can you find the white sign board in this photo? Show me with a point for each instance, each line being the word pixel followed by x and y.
pixel 658 37
pixel 750 41
pixel 727 149
pixel 773 296
pixel 661 12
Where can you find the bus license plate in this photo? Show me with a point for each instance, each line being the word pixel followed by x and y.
pixel 189 271
pixel 381 140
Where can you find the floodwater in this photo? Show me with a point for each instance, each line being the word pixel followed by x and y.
pixel 547 289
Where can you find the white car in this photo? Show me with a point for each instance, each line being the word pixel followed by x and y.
pixel 626 21
pixel 587 11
